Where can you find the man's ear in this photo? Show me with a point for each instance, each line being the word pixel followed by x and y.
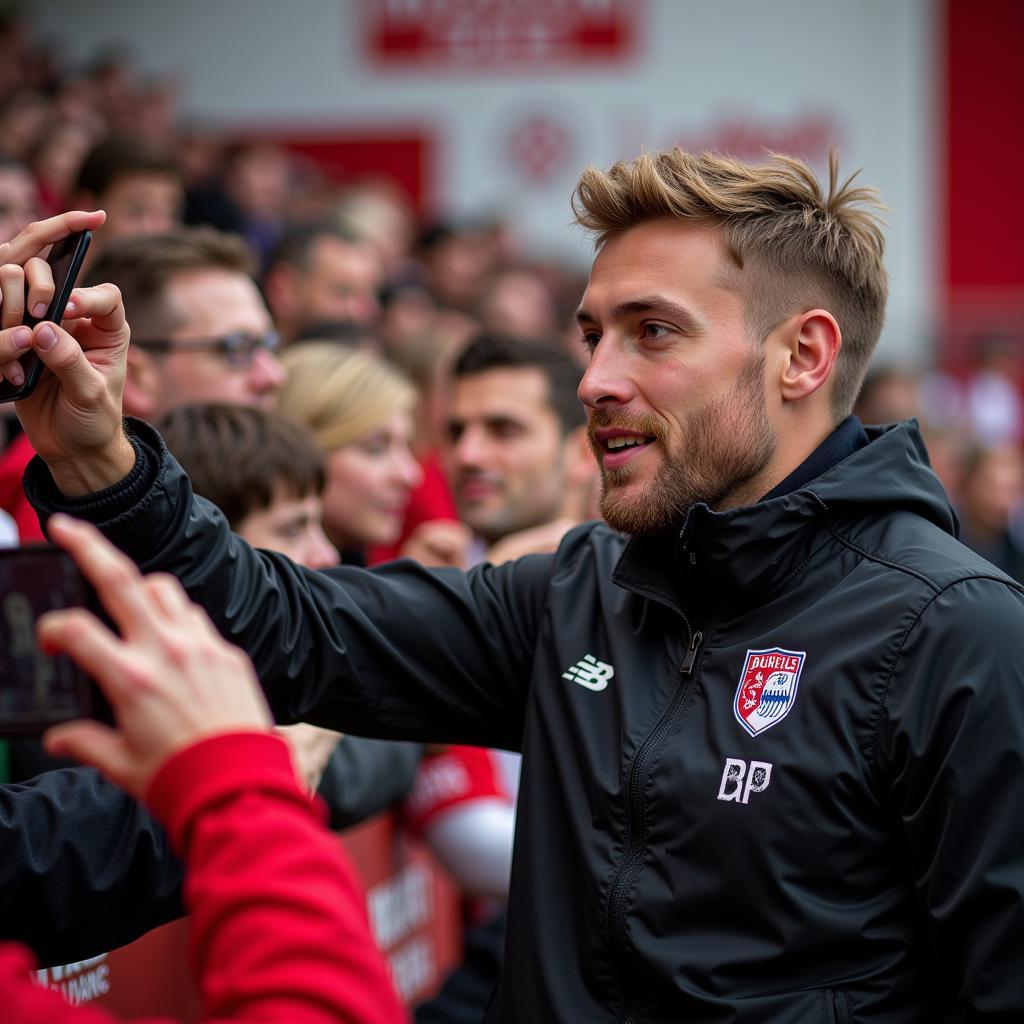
pixel 811 342
pixel 141 384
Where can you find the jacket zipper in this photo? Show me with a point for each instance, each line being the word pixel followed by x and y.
pixel 837 1006
pixel 634 791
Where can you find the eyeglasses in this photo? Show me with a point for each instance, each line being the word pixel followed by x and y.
pixel 239 350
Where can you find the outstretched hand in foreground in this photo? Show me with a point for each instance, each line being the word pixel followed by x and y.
pixel 171 679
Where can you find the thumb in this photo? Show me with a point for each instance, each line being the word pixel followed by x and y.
pixel 60 353
pixel 94 744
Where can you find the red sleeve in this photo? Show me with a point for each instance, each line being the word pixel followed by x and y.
pixel 455 776
pixel 12 495
pixel 279 927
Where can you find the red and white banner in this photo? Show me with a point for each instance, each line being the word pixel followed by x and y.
pixel 499 33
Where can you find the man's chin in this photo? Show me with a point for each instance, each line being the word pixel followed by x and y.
pixel 631 509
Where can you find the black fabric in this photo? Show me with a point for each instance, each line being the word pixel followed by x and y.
pixel 846 439
pixel 83 867
pixel 364 777
pixel 876 869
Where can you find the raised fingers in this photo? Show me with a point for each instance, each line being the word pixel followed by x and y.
pixel 34 239
pixel 92 646
pixel 39 276
pixel 101 304
pixel 168 595
pixel 118 583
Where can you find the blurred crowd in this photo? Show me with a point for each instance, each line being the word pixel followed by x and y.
pixel 349 378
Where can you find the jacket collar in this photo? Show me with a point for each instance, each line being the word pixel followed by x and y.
pixel 745 554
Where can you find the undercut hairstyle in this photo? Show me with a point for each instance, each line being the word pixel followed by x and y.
pixel 341 394
pixel 117 157
pixel 142 266
pixel 241 458
pixel 792 246
pixel 491 350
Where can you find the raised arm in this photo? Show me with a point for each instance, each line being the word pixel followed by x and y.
pixel 403 653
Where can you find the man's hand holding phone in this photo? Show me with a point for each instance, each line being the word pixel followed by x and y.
pixel 73 417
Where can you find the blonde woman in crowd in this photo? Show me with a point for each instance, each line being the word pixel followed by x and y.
pixel 360 410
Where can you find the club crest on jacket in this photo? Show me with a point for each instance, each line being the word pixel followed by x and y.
pixel 767 688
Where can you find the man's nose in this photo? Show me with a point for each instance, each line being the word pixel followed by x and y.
pixel 607 379
pixel 266 374
pixel 322 553
pixel 470 449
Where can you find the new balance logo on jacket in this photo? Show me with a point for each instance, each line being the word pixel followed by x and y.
pixel 590 672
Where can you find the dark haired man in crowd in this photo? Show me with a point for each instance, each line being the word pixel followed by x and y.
pixel 319 273
pixel 771 715
pixel 516 452
pixel 138 185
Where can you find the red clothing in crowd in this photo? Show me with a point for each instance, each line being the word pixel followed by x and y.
pixel 279 930
pixel 454 777
pixel 12 496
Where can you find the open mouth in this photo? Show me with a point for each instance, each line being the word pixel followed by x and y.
pixel 614 444
pixel 617 447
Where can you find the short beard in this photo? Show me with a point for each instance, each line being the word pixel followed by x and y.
pixel 727 442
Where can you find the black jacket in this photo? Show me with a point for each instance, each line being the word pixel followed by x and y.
pixel 853 852
pixel 83 866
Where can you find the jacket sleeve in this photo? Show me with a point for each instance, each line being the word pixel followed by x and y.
pixel 279 930
pixel 396 652
pixel 83 867
pixel 364 777
pixel 951 757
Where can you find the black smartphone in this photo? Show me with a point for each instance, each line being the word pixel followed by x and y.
pixel 65 259
pixel 38 690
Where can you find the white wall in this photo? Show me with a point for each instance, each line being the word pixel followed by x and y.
pixel 859 72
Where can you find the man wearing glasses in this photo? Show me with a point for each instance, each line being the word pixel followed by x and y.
pixel 200 329
pixel 200 332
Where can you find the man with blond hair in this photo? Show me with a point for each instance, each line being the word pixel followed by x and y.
pixel 771 715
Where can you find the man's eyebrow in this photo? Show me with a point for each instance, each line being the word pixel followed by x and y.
pixel 656 304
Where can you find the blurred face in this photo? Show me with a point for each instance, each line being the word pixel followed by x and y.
pixel 19 201
pixel 340 283
pixel 141 204
pixel 519 303
pixel 674 389
pixel 211 304
pixel 505 451
pixel 369 483
pixel 291 526
pixel 995 489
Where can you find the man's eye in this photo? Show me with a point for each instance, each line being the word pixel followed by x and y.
pixel 508 429
pixel 589 340
pixel 656 331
